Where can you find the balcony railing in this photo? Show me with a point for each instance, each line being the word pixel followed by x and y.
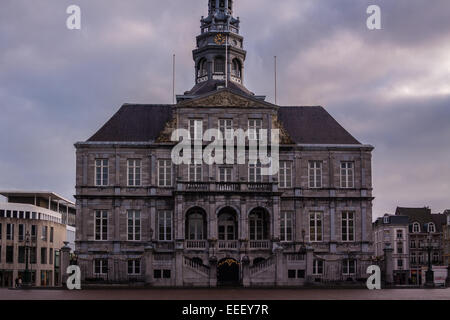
pixel 228 186
pixel 260 186
pixel 260 244
pixel 197 186
pixel 230 245
pixel 196 244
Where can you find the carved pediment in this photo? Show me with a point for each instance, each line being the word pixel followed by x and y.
pixel 222 99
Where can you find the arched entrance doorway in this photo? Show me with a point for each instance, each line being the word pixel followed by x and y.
pixel 228 272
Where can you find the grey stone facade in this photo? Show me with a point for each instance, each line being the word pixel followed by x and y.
pixel 238 231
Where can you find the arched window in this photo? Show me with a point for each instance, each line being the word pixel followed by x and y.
pixel 236 68
pixel 196 226
pixel 227 227
pixel 431 227
pixel 416 227
pixel 202 68
pixel 219 65
pixel 259 225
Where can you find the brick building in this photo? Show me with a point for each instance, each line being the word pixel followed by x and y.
pixel 143 219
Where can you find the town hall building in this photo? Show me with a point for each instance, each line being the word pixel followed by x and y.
pixel 141 219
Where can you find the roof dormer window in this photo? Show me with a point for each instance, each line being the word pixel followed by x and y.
pixel 416 227
pixel 431 228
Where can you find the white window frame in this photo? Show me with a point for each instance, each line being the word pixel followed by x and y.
pixel 10 235
pixel 315 174
pixel 347 174
pixel 133 267
pixel 285 175
pixel 166 217
pixel 348 273
pixel 315 217
pixel 136 225
pixel 134 172
pixel 255 168
pixel 101 165
pixel 102 220
pixel 101 265
pixel 431 227
pixel 348 222
pixel 196 128
pixel 195 172
pixel 166 166
pixel 21 235
pixel 316 268
pixel 254 127
pixel 227 174
pixel 226 127
pixel 416 230
pixel 286 223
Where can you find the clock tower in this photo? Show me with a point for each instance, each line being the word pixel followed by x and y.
pixel 219 55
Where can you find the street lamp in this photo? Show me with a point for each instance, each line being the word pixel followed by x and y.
pixel 429 274
pixel 27 281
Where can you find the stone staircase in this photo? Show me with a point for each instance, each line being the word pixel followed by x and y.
pixel 196 267
pixel 266 265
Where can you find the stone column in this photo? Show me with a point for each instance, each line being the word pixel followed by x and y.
pixel 213 272
pixel 389 264
pixel 245 262
pixel 309 264
pixel 65 261
pixel 148 259
pixel 280 266
pixel 179 263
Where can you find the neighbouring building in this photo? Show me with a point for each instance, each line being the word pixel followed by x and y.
pixel 143 219
pixel 36 222
pixel 425 231
pixel 392 232
pixel 447 239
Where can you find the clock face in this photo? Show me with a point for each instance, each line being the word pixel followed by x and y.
pixel 219 39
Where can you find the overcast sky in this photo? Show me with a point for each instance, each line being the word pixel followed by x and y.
pixel 389 88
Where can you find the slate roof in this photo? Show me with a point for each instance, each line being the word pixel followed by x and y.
pixel 423 216
pixel 211 86
pixel 393 220
pixel 144 123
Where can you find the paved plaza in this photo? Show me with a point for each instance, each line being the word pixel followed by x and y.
pixel 227 294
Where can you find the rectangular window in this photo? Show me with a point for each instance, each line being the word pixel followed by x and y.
pixel 400 263
pixel 50 256
pixel 226 127
pixel 399 234
pixel 285 174
pixel 254 127
pixel 21 232
pixel 100 266
pixel 196 129
pixel 292 274
pixel 254 173
pixel 318 267
pixel 166 274
pixel 101 172
pixel 134 225
pixel 33 232
pixel 9 231
pixel 315 226
pixel 165 225
pixel 101 225
pixel 195 173
pixel 400 247
pixel 225 174
pixel 43 255
pixel 165 173
pixel 51 234
pixel 9 254
pixel 349 267
pixel 157 274
pixel 315 174
pixel 21 257
pixel 347 175
pixel 134 267
pixel 413 258
pixel 33 255
pixel 134 173
pixel 348 226
pixel 286 226
pixel 44 233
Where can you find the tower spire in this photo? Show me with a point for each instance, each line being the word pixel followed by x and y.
pixel 219 56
